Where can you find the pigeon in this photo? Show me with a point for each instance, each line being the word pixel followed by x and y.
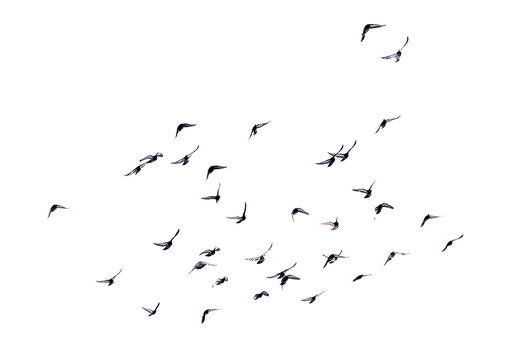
pixel 212 197
pixel 344 156
pixel 255 127
pixel 166 245
pixel 261 294
pixel 199 265
pixel 450 243
pixel 398 54
pixel 333 257
pixel 365 191
pixel 183 126
pixel 311 299
pixel 330 160
pixel 260 259
pixel 136 170
pixel 239 219
pixel 220 281
pixel 212 168
pixel 186 158
pixel 379 208
pixel 393 254
pixel 384 123
pixel 298 210
pixel 109 281
pixel 358 277
pixel 287 277
pixel 282 273
pixel 151 158
pixel 367 28
pixel 209 252
pixel 150 311
pixel 428 217
pixel 206 312
pixel 334 224
pixel 55 207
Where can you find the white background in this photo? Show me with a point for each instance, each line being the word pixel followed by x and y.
pixel 89 88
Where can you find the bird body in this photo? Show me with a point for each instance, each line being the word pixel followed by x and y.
pixel 282 273
pixel 212 168
pixel 334 224
pixel 332 258
pixel 183 126
pixel 110 281
pixel 166 245
pixel 286 278
pixel 55 207
pixel 212 197
pixel 136 170
pixel 367 28
pixel 151 311
pixel 330 161
pixel 239 219
pixel 450 243
pixel 186 158
pixel 260 259
pixel 392 254
pixel 200 265
pixel 255 127
pixel 298 210
pixel 261 294
pixel 151 158
pixel 365 191
pixel 345 155
pixel 311 299
pixel 398 54
pixel 384 123
pixel 429 217
pixel 220 281
pixel 209 252
pixel 379 207
pixel 358 277
pixel 206 312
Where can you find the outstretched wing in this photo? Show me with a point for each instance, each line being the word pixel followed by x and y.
pixel 103 281
pixel 178 161
pixel 404 44
pixel 389 56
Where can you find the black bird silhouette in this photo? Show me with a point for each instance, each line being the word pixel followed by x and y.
pixel 136 170
pixel 393 254
pixel 379 208
pixel 450 243
pixel 287 277
pixel 212 197
pixel 183 126
pixel 220 281
pixel 55 207
pixel 186 158
pixel 199 265
pixel 109 281
pixel 368 27
pixel 334 224
pixel 358 277
pixel 209 252
pixel 206 312
pixel 166 245
pixel 428 217
pixel 332 159
pixel 365 191
pixel 282 273
pixel 260 259
pixel 261 294
pixel 298 210
pixel 344 156
pixel 332 258
pixel 255 127
pixel 384 123
pixel 398 54
pixel 150 311
pixel 212 168
pixel 239 218
pixel 311 299
pixel 151 158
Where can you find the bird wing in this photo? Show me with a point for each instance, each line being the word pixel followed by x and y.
pixel 102 281
pixel 157 307
pixel 117 274
pixel 388 120
pixel 209 198
pixel 205 252
pixel 310 298
pixel 300 210
pixel 147 157
pixel 265 293
pixel 460 237
pixel 374 26
pixel 147 310
pixel 365 191
pixel 324 162
pixel 389 56
pixel 192 152
pixel 404 44
pixel 447 244
pixel 386 205
pixel 161 244
pixel 179 161
pixel 174 236
pixel 253 258
pixel 234 217
pixel 328 223
pixel 293 277
pixel 262 124
pixel 268 249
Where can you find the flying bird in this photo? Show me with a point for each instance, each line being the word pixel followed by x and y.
pixel 379 208
pixel 311 299
pixel 450 243
pixel 220 281
pixel 183 126
pixel 166 245
pixel 239 218
pixel 260 259
pixel 365 191
pixel 332 158
pixel 428 217
pixel 358 277
pixel 150 311
pixel 255 127
pixel 136 170
pixel 345 155
pixel 209 252
pixel 393 254
pixel 206 312
pixel 212 168
pixel 55 207
pixel 151 158
pixel 369 27
pixel 282 273
pixel 261 294
pixel 287 277
pixel 186 158
pixel 333 257
pixel 199 265
pixel 384 123
pixel 109 281
pixel 212 197
pixel 398 54
pixel 298 210
pixel 334 224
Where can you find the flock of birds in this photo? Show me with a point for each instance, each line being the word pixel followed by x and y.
pixel 282 275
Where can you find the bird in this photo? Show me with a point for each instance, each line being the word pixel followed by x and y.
pixel 220 281
pixel 239 218
pixel 385 121
pixel 344 156
pixel 199 265
pixel 287 277
pixel 398 54
pixel 212 168
pixel 136 170
pixel 334 224
pixel 150 311
pixel 255 127
pixel 450 243
pixel 365 191
pixel 311 299
pixel 109 281
pixel 151 158
pixel 183 126
pixel 55 207
pixel 298 210
pixel 282 273
pixel 261 294
pixel 206 312
pixel 367 28
pixel 428 217
pixel 330 160
pixel 166 245
pixel 393 254
pixel 186 158
pixel 212 197
pixel 358 277
pixel 209 252
pixel 260 259
pixel 379 207
pixel 333 257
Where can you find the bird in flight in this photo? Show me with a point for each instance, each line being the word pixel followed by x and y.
pixel 151 158
pixel 287 277
pixel 199 265
pixel 206 312
pixel 379 208
pixel 109 281
pixel 332 258
pixel 239 218
pixel 332 158
pixel 183 126
pixel 398 54
pixel 311 299
pixel 450 243
pixel 136 170
pixel 384 123
pixel 282 273
pixel 367 28
pixel 166 245
pixel 150 311
pixel 212 168
pixel 186 158
pixel 255 127
pixel 358 277
pixel 55 207
pixel 212 197
pixel 428 217
pixel 393 254
pixel 209 252
pixel 260 259
pixel 365 191
pixel 220 281
pixel 344 156
pixel 261 294
pixel 298 210
pixel 334 224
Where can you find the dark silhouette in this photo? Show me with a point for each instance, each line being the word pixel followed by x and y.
pixel 259 295
pixel 330 160
pixel 334 224
pixel 384 123
pixel 183 126
pixel 199 265
pixel 358 277
pixel 150 311
pixel 239 218
pixel 109 281
pixel 151 158
pixel 166 245
pixel 298 210
pixel 367 28
pixel 450 243
pixel 55 207
pixel 332 258
pixel 393 254
pixel 220 281
pixel 255 127
pixel 260 259
pixel 186 158
pixel 365 191
pixel 311 299
pixel 212 197
pixel 212 168
pixel 287 277
pixel 282 273
pixel 206 312
pixel 136 170
pixel 379 208
pixel 429 217
pixel 209 252
pixel 398 54
pixel 344 156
